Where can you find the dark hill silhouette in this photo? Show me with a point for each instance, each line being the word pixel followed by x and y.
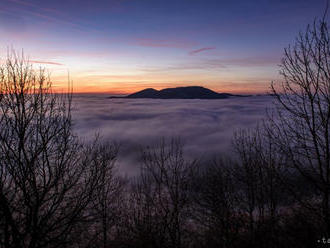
pixel 146 93
pixel 190 92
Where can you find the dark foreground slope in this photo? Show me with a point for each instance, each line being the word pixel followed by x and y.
pixel 190 92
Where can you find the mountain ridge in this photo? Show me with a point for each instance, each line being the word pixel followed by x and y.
pixel 187 92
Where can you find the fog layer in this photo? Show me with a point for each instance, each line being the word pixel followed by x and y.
pixel 205 126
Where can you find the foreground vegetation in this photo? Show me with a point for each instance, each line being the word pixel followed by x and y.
pixel 57 191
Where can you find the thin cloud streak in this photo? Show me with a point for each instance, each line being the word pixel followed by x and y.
pixel 44 62
pixel 201 50
pixel 43 13
pixel 26 3
pixel 164 43
pixel 211 64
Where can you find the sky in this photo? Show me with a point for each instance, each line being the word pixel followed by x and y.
pixel 122 46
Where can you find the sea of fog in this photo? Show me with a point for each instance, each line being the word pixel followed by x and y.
pixel 205 126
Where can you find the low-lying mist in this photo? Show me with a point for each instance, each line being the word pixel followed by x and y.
pixel 205 126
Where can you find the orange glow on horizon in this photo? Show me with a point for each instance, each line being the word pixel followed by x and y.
pixel 129 89
pixel 128 82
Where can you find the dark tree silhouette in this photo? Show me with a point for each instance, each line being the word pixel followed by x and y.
pixel 260 175
pixel 48 179
pixel 216 212
pixel 300 124
pixel 161 196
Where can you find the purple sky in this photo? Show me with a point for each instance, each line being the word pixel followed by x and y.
pixel 121 46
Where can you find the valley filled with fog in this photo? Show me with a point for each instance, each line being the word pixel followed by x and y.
pixel 206 127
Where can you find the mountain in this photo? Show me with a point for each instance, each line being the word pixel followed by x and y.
pixel 190 92
pixel 146 93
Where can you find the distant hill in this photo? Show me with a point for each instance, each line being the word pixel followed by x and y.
pixel 190 92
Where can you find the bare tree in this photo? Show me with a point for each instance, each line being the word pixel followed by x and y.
pixel 260 175
pixel 300 124
pixel 47 176
pixel 161 195
pixel 106 206
pixel 216 206
pixel 147 221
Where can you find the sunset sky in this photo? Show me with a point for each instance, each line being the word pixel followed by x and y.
pixel 121 46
